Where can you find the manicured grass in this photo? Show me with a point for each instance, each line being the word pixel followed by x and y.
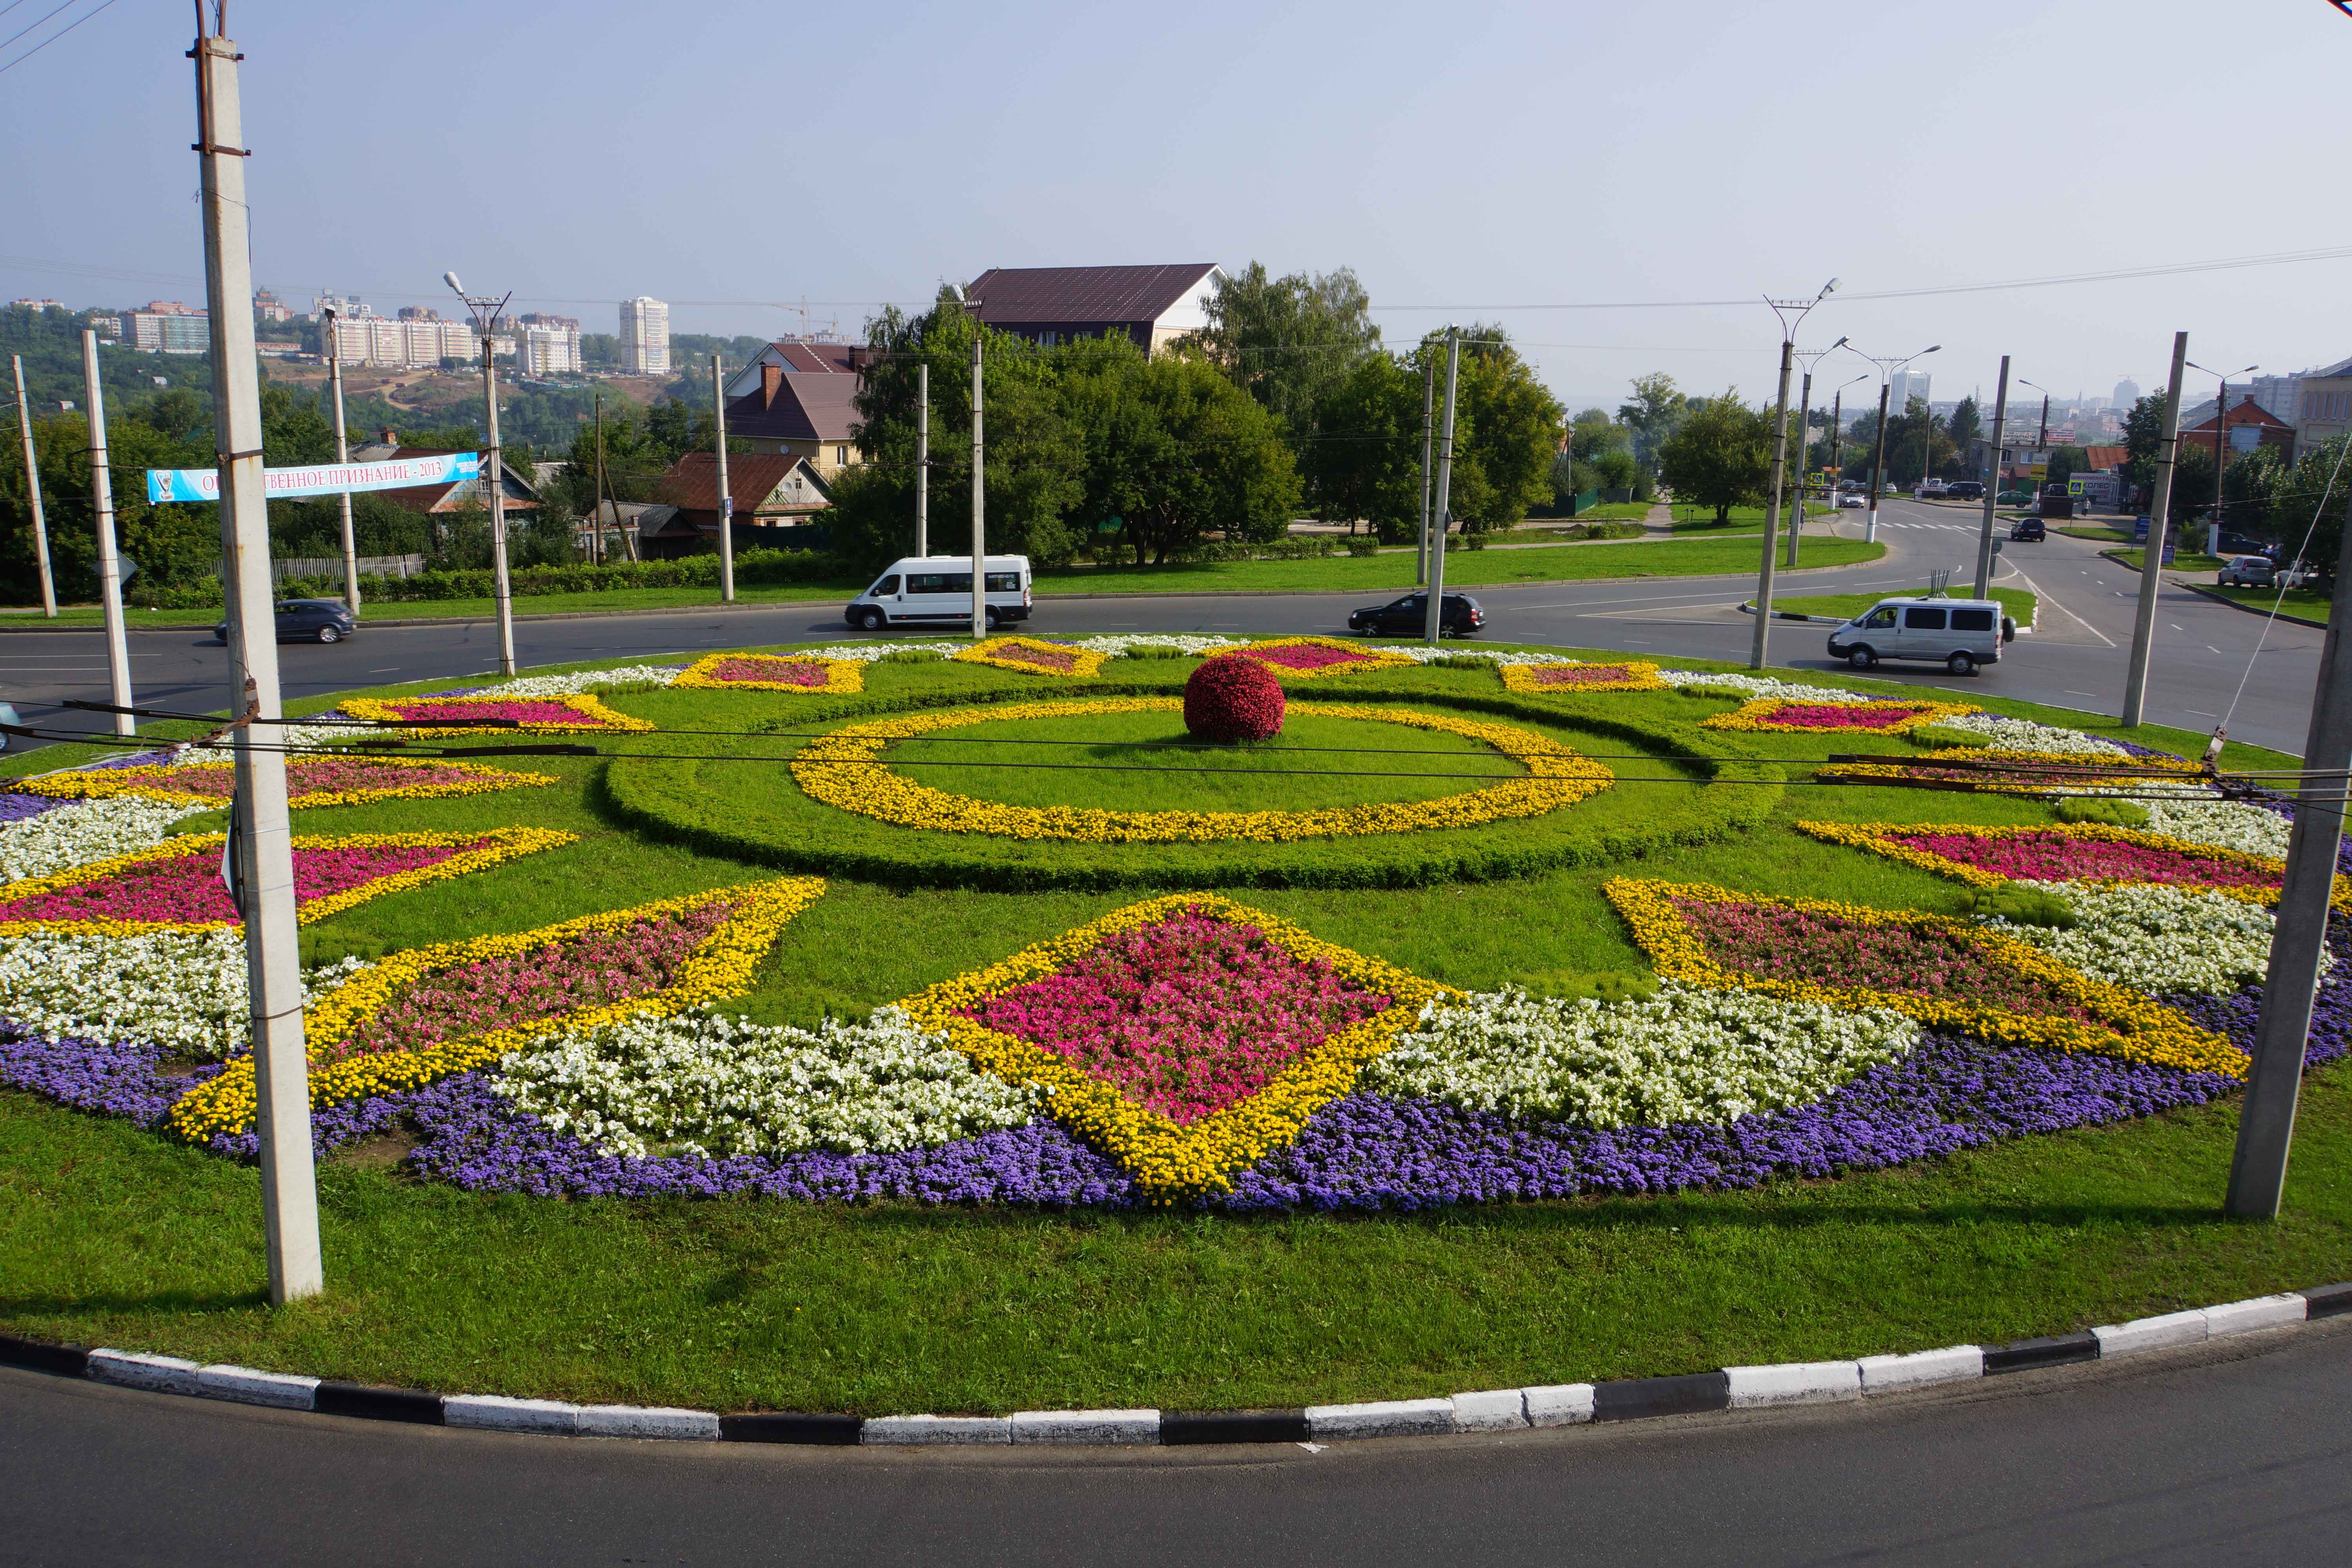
pixel 2182 560
pixel 109 1236
pixel 2298 601
pixel 2104 535
pixel 2020 603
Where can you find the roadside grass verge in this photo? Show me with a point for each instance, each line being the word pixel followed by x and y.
pixel 2298 601
pixel 2182 560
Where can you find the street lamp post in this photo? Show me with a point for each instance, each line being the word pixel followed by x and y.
pixel 1837 435
pixel 2221 434
pixel 2042 441
pixel 1887 369
pixel 1792 314
pixel 485 311
pixel 1805 442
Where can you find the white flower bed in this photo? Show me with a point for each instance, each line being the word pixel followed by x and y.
pixel 2006 734
pixel 1750 687
pixel 1686 1055
pixel 2221 823
pixel 705 1083
pixel 574 683
pixel 82 831
pixel 184 990
pixel 2154 938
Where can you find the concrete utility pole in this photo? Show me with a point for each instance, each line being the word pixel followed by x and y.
pixel 923 458
pixel 33 493
pixel 110 564
pixel 1992 483
pixel 979 504
pixel 262 845
pixel 1428 395
pixel 342 455
pixel 2298 942
pixel 1434 626
pixel 2160 520
pixel 1760 634
pixel 1805 442
pixel 726 496
pixel 1877 467
pixel 485 315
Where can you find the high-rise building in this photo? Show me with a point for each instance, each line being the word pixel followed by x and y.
pixel 645 336
pixel 340 305
pixel 1903 386
pixel 2126 393
pixel 168 327
pixel 546 344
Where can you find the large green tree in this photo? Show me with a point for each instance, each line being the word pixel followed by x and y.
pixel 1650 414
pixel 1289 341
pixel 1506 431
pixel 1364 463
pixel 1720 454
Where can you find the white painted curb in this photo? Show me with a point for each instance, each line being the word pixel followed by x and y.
pixel 1921 1369
pixel 1090 1427
pixel 657 1421
pixel 2262 1313
pixel 497 1412
pixel 2151 1333
pixel 1383 1419
pixel 1794 1383
pixel 910 1430
pixel 163 1373
pixel 243 1385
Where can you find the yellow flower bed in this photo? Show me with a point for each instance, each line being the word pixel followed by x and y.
pixel 842 769
pixel 1877 837
pixel 1043 658
pixel 1759 715
pixel 1367 658
pixel 1168 1161
pixel 1528 678
pixel 840 674
pixel 2137 1028
pixel 591 708
pixel 504 844
pixel 721 966
pixel 2112 770
pixel 153 781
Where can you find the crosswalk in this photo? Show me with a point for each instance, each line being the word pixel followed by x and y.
pixel 1943 527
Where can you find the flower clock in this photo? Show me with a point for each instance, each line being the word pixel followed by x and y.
pixel 1306 659
pixel 309 781
pixel 561 713
pixel 1570 676
pixel 773 672
pixel 1185 1036
pixel 1792 715
pixel 1030 656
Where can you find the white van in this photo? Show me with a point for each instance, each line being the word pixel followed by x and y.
pixel 1958 634
pixel 936 590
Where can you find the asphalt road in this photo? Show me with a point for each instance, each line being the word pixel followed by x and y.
pixel 2076 657
pixel 2196 1456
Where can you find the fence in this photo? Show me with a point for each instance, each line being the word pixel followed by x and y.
pixel 283 567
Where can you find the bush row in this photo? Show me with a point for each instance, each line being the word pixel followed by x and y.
pixel 754 568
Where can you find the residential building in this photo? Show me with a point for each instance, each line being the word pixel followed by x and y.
pixel 341 305
pixel 2126 393
pixel 440 500
pixel 546 344
pixel 167 327
pixel 819 354
pixel 268 307
pixel 107 327
pixel 1902 387
pixel 1154 306
pixel 39 304
pixel 774 494
pixel 2323 405
pixel 2277 394
pixel 2248 425
pixel 809 415
pixel 645 336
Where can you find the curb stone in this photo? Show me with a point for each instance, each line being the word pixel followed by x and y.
pixel 1495 1410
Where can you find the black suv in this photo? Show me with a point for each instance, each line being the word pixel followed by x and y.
pixel 1964 489
pixel 307 620
pixel 2029 530
pixel 1408 617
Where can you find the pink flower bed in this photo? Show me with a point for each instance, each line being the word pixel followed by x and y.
pixel 783 671
pixel 325 776
pixel 493 993
pixel 188 887
pixel 2060 858
pixel 1841 715
pixel 1305 656
pixel 1834 953
pixel 473 710
pixel 1579 675
pixel 1061 661
pixel 1185 1016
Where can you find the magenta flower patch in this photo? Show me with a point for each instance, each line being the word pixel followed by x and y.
pixel 1183 1018
pixel 2064 858
pixel 187 888
pixel 769 671
pixel 1842 715
pixel 1306 655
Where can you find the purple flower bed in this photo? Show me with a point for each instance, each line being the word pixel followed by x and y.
pixel 19 808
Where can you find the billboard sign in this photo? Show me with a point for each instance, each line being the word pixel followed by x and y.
pixel 320 478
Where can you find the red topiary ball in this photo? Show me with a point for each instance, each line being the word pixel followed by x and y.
pixel 1231 699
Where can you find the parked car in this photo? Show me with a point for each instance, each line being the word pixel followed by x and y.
pixel 1965 489
pixel 937 589
pixel 306 620
pixel 2029 530
pixel 1460 616
pixel 1853 484
pixel 2013 498
pixel 1958 634
pixel 1932 487
pixel 1852 500
pixel 2249 571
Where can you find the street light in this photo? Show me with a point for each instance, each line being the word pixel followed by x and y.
pixel 1792 314
pixel 1805 441
pixel 2041 442
pixel 1837 437
pixel 2220 432
pixel 486 311
pixel 1887 369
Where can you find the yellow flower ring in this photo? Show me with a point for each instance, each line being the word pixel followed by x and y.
pixel 1029 657
pixel 720 966
pixel 1763 714
pixel 589 713
pixel 2136 1029
pixel 843 769
pixel 1572 676
pixel 840 674
pixel 1169 1161
pixel 156 782
pixel 494 845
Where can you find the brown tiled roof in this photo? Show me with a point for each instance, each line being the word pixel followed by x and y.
pixel 1026 295
pixel 692 482
pixel 817 359
pixel 806 408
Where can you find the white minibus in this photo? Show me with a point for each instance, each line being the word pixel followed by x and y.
pixel 936 590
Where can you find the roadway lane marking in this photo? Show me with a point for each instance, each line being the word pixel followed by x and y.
pixel 2071 692
pixel 2052 600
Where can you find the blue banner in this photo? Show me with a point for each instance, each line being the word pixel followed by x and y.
pixel 320 478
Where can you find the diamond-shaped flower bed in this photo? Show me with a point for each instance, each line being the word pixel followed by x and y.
pixel 1940 971
pixel 564 713
pixel 176 886
pixel 1031 656
pixel 1185 1036
pixel 772 672
pixel 1789 715
pixel 309 781
pixel 1307 657
pixel 1627 676
pixel 2075 852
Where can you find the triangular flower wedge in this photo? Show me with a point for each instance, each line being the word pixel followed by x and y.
pixel 1794 716
pixel 564 713
pixel 423 1014
pixel 1308 658
pixel 1573 675
pixel 1985 857
pixel 808 673
pixel 1943 972
pixel 1030 656
pixel 1185 1036
pixel 176 884
pixel 351 779
pixel 1976 770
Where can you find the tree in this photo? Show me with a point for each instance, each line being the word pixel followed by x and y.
pixel 1364 463
pixel 1289 341
pixel 1720 454
pixel 1506 429
pixel 2256 491
pixel 1651 415
pixel 2143 434
pixel 1963 427
pixel 2065 462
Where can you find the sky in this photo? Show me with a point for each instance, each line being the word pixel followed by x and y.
pixel 1476 161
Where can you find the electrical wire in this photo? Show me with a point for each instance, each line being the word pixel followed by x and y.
pixel 53 37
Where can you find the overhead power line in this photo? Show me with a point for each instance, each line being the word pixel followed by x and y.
pixel 53 37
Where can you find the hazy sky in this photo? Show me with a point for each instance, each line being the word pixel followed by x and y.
pixel 1491 158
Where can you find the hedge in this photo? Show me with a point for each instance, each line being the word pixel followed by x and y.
pixel 754 568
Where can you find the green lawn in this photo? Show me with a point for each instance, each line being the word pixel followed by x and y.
pixel 2182 560
pixel 2019 601
pixel 2298 601
pixel 109 1236
pixel 2104 535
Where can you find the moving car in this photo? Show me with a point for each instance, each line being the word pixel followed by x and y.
pixel 1965 489
pixel 306 620
pixel 1852 500
pixel 1459 617
pixel 2029 530
pixel 936 590
pixel 1958 634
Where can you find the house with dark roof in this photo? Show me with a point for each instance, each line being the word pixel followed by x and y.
pixel 801 356
pixel 776 496
pixel 1154 305
pixel 810 415
pixel 2249 424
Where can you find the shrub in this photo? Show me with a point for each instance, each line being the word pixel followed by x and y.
pixel 1360 548
pixel 1232 698
pixel 2113 813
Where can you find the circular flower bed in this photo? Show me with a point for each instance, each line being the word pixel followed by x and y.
pixel 1230 699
